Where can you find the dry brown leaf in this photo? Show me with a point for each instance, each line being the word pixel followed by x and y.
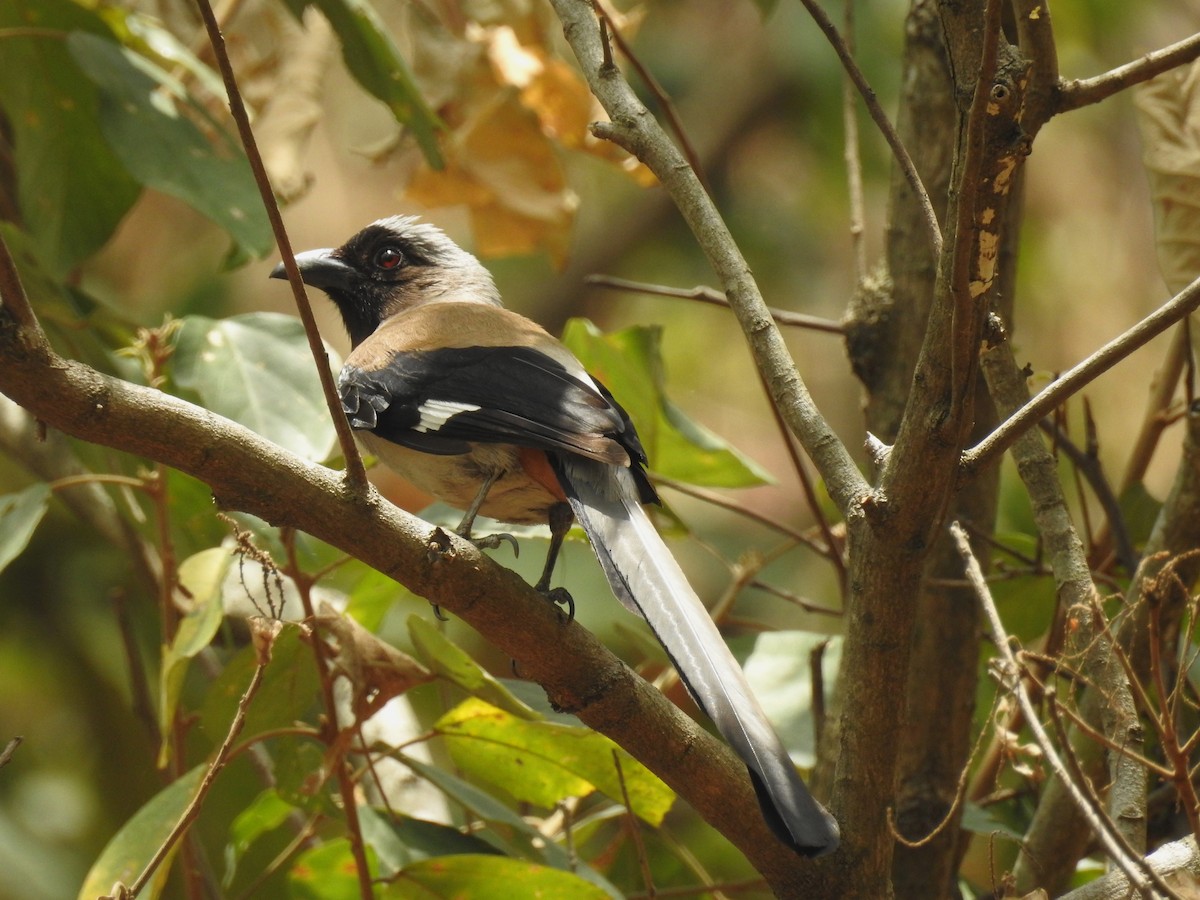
pixel 377 671
pixel 1169 117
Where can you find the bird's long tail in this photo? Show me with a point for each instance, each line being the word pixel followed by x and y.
pixel 646 578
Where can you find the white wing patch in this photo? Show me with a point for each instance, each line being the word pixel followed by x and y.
pixel 436 413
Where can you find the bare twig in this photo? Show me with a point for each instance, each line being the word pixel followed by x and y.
pixel 853 158
pixel 708 295
pixel 10 748
pixel 881 120
pixel 356 474
pixel 1080 375
pixel 12 293
pixel 1086 91
pixel 1009 671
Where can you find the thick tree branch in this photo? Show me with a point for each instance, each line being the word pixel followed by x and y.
pixel 251 474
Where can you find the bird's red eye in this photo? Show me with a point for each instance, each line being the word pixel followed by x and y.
pixel 388 257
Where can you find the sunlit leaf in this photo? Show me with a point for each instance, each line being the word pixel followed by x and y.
pixel 124 857
pixel 482 877
pixel 504 822
pixel 509 176
pixel 257 370
pixel 71 187
pixel 452 663
pixel 376 64
pixel 143 123
pixel 20 514
pixel 327 872
pixel 629 363
pixel 544 762
pixel 200 577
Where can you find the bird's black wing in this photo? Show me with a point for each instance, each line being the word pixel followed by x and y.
pixel 437 401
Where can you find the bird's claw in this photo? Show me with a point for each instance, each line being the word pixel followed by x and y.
pixel 492 541
pixel 563 601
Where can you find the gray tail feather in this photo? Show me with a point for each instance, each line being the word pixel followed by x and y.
pixel 647 579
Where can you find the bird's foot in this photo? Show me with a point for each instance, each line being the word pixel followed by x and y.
pixel 562 600
pixel 492 541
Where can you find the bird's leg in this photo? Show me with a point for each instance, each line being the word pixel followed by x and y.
pixel 561 518
pixel 491 541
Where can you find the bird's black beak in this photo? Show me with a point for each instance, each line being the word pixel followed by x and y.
pixel 321 269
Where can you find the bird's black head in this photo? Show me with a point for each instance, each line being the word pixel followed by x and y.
pixel 389 266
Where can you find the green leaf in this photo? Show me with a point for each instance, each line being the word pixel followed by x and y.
pixel 266 812
pixel 288 691
pixel 132 847
pixel 376 64
pixel 401 841
pixel 629 363
pixel 20 514
pixel 545 762
pixel 201 577
pixel 300 776
pixel 327 872
pixel 257 370
pixel 72 189
pixel 453 664
pixel 142 121
pixel 1139 509
pixel 483 877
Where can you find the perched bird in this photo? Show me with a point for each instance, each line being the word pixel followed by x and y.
pixel 482 408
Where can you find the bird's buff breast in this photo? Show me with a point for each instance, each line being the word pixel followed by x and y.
pixel 514 498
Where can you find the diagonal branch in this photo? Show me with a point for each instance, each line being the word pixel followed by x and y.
pixel 1079 376
pixel 1085 91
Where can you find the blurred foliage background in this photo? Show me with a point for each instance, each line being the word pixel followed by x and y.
pixel 760 95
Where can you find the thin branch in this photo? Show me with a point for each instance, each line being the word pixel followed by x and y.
pixel 10 748
pixel 852 155
pixel 12 294
pixel 708 295
pixel 1080 375
pixel 1079 92
pixel 1011 679
pixel 907 166
pixel 632 127
pixel 723 502
pixel 356 474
